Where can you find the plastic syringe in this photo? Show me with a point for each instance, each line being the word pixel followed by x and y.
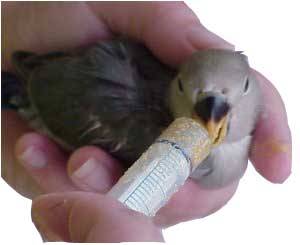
pixel 150 182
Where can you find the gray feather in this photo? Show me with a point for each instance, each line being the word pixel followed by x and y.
pixel 111 94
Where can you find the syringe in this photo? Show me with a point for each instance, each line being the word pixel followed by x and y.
pixel 150 182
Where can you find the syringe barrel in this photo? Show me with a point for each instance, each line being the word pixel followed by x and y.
pixel 150 182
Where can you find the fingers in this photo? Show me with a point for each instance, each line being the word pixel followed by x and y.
pixel 271 151
pixel 33 164
pixel 44 162
pixel 89 168
pixel 171 30
pixel 192 202
pixel 12 127
pixel 48 27
pixel 88 217
pixel 92 169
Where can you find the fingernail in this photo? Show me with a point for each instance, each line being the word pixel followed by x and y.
pixel 33 157
pixel 92 175
pixel 50 216
pixel 202 38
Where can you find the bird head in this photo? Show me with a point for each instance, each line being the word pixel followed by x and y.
pixel 217 88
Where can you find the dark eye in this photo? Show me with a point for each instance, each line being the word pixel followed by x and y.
pixel 180 86
pixel 246 86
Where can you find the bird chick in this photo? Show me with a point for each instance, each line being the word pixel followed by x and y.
pixel 118 96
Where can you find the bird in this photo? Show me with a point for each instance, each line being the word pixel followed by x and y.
pixel 117 95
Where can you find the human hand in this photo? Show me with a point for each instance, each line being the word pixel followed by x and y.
pixel 90 217
pixel 54 26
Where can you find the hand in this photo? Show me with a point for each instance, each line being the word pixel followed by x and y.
pixel 90 217
pixel 172 32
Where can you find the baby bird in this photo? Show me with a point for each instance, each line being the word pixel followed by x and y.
pixel 118 96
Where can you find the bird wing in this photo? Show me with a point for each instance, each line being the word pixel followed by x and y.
pixel 107 95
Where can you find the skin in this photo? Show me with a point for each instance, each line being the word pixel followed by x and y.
pixel 102 220
pixel 54 26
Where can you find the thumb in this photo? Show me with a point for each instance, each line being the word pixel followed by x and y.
pixel 89 217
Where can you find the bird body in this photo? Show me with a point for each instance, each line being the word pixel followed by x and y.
pixel 118 96
pixel 108 95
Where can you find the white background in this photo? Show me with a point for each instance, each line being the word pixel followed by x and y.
pixel 260 212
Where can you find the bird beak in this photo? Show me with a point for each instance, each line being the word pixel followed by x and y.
pixel 212 112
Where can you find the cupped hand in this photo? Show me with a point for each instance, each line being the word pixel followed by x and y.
pixel 33 164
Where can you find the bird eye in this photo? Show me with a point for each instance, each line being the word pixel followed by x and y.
pixel 180 86
pixel 246 86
